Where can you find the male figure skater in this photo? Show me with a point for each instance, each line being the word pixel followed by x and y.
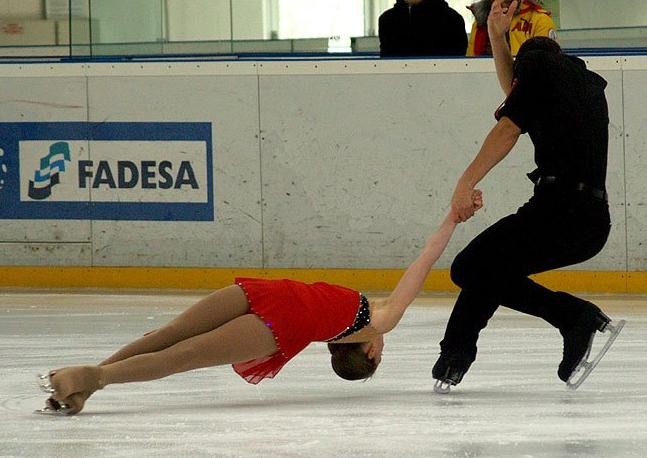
pixel 565 222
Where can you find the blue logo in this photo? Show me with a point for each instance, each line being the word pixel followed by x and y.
pixel 3 169
pixel 51 166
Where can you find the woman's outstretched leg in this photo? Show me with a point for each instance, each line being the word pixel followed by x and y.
pixel 209 313
pixel 240 339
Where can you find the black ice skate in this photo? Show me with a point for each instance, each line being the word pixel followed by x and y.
pixel 578 341
pixel 449 371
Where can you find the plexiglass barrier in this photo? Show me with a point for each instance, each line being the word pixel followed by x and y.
pixel 96 28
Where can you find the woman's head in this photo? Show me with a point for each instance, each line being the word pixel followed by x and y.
pixel 355 361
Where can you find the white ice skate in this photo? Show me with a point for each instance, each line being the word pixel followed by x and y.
pixel 585 367
pixel 442 387
pixel 45 384
pixel 52 406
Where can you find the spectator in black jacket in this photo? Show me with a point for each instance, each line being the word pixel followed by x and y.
pixel 422 28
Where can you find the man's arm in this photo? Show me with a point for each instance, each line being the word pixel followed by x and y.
pixel 497 145
pixel 498 24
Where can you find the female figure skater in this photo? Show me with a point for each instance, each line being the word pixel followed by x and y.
pixel 258 326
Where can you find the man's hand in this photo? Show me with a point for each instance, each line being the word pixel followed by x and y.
pixel 500 17
pixel 477 199
pixel 465 202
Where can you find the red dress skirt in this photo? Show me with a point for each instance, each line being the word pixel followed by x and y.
pixel 297 314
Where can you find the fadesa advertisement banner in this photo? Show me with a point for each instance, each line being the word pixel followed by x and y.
pixel 106 171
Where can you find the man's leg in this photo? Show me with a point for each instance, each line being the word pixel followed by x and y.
pixel 472 270
pixel 492 270
pixel 458 349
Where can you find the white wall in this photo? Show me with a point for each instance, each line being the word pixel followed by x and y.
pixel 316 164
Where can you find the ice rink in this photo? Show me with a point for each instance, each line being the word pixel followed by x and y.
pixel 510 404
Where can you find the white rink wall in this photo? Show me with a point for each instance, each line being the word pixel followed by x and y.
pixel 332 163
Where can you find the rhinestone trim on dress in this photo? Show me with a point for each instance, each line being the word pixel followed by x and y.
pixel 362 318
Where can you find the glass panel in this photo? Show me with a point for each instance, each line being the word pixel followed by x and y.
pixel 163 27
pixel 553 7
pixel 589 14
pixel 75 31
pixel 127 27
pixel 250 19
pixel 24 29
pixel 199 20
pixel 321 18
pixel 461 7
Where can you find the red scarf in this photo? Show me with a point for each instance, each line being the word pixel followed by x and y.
pixel 481 41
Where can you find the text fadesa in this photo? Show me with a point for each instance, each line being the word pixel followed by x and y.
pixel 129 174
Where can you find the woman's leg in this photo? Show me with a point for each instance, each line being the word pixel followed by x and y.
pixel 209 313
pixel 240 339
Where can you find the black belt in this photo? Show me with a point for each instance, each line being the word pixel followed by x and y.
pixel 580 187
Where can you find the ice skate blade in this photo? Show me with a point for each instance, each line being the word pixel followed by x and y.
pixel 585 368
pixel 441 387
pixel 53 407
pixel 62 412
pixel 53 412
pixel 45 384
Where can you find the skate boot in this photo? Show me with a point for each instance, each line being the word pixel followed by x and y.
pixel 69 388
pixel 71 406
pixel 578 341
pixel 79 379
pixel 449 371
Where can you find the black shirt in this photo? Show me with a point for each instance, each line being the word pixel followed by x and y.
pixel 561 104
pixel 430 28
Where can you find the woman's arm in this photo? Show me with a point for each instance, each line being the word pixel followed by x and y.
pixel 389 314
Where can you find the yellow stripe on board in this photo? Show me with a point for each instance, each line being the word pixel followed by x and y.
pixel 361 279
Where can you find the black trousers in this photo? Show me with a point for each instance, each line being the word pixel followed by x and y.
pixel 556 228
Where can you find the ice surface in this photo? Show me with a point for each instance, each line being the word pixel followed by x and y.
pixel 510 404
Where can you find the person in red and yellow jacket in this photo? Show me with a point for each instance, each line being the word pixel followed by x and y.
pixel 530 20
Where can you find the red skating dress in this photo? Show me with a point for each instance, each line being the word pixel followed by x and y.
pixel 297 314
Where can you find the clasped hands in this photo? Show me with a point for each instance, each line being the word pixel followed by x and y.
pixel 465 202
